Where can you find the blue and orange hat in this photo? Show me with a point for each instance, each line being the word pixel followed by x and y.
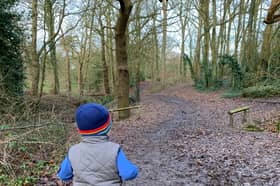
pixel 93 119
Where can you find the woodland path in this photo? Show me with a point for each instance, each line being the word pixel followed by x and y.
pixel 181 137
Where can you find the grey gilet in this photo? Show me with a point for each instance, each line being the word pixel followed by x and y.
pixel 94 162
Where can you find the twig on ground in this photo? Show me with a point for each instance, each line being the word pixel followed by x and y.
pixel 30 126
pixel 20 136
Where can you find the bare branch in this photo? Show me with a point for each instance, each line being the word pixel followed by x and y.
pixel 271 17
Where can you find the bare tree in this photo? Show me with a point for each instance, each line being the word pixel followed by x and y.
pixel 121 56
pixel 164 40
pixel 35 70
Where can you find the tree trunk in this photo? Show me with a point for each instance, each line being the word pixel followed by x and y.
pixel 103 59
pixel 52 45
pixel 221 37
pixel 266 49
pixel 214 44
pixel 43 74
pixel 242 55
pixel 155 50
pixel 68 63
pixel 80 79
pixel 229 33
pixel 183 68
pixel 138 53
pixel 44 61
pixel 239 26
pixel 197 66
pixel 121 56
pixel 164 41
pixel 183 23
pixel 81 61
pixel 205 8
pixel 69 82
pixel 110 54
pixel 250 38
pixel 34 56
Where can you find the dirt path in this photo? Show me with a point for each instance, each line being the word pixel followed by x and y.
pixel 182 138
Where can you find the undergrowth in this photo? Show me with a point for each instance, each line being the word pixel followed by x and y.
pixel 232 94
pixel 34 136
pixel 29 153
pixel 271 125
pixel 253 128
pixel 264 89
pixel 30 138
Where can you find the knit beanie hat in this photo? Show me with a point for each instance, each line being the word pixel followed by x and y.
pixel 93 119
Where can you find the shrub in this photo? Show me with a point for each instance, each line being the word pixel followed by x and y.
pixel 11 66
pixel 262 91
pixel 232 94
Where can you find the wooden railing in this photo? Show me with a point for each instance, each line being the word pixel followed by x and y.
pixel 237 110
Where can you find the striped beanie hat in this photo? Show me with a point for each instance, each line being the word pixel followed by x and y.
pixel 93 119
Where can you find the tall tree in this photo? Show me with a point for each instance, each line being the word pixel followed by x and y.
pixel 66 42
pixel 183 17
pixel 214 42
pixel 155 64
pixel 139 49
pixel 266 49
pixel 164 40
pixel 252 50
pixel 103 57
pixel 206 31
pixel 110 49
pixel 121 56
pixel 35 68
pixel 239 26
pixel 197 64
pixel 50 22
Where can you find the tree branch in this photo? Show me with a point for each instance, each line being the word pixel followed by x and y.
pixel 271 17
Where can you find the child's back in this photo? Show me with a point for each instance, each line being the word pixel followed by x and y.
pixel 96 160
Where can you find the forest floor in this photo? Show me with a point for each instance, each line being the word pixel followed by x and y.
pixel 182 137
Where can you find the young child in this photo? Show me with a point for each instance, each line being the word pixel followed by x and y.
pixel 95 160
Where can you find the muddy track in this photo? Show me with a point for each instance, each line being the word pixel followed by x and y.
pixel 187 149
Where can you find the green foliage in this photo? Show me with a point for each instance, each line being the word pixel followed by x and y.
pixel 261 91
pixel 187 60
pixel 236 73
pixel 132 82
pixel 232 94
pixel 11 66
pixel 104 100
pixel 132 79
pixel 274 66
pixel 253 128
pixel 26 166
pixel 209 82
pixel 278 126
pixel 199 85
pixel 249 79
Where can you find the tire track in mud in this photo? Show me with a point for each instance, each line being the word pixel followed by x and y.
pixel 187 149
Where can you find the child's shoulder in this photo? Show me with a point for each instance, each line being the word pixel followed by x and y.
pixel 107 144
pixel 112 144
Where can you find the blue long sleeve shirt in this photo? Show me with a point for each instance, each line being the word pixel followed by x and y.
pixel 127 170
